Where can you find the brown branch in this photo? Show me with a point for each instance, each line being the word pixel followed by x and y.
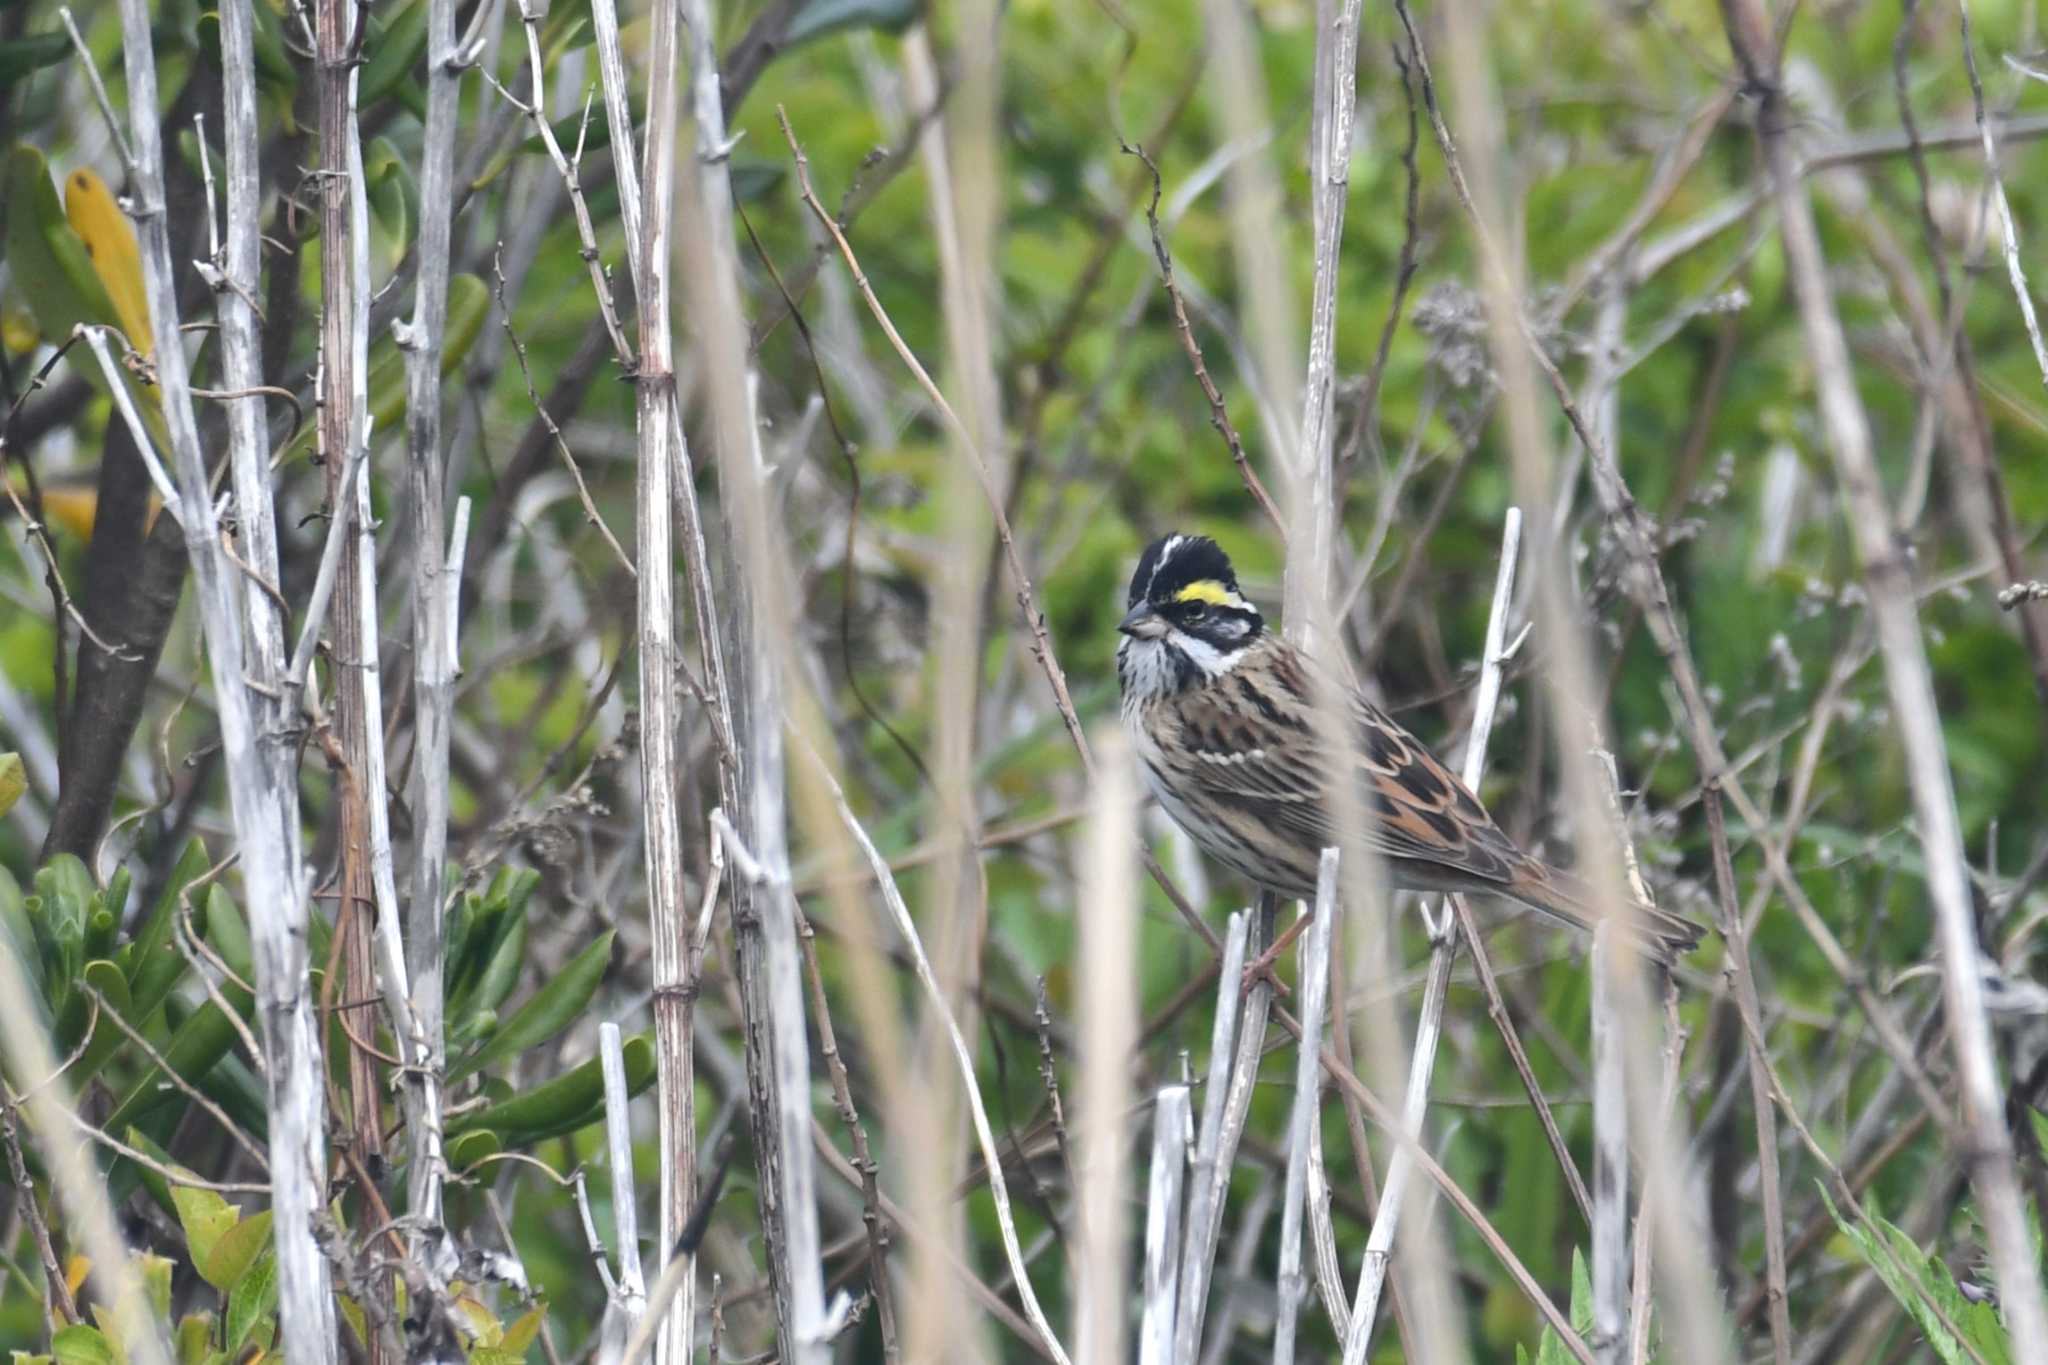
pixel 1219 415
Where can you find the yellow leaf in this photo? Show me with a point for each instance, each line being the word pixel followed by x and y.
pixel 18 331
pixel 520 1334
pixel 75 509
pixel 110 246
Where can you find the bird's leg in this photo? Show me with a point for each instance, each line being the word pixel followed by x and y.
pixel 1260 968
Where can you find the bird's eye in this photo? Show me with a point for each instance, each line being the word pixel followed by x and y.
pixel 1194 611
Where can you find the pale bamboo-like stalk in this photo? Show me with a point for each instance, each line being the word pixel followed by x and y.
pixel 1610 1262
pixel 433 1253
pixel 530 17
pixel 631 1284
pixel 435 589
pixel 2009 230
pixel 240 265
pixel 1322 1228
pixel 770 978
pixel 342 395
pixel 1209 1174
pixel 1108 915
pixel 258 755
pixel 75 1178
pixel 661 434
pixel 1379 1246
pixel 1889 581
pixel 962 159
pixel 1172 1118
pixel 1292 1286
pixel 1329 156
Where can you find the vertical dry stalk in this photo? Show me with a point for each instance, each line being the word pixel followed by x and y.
pixel 770 979
pixel 962 159
pixel 1436 987
pixel 1108 915
pixel 76 1180
pixel 1292 1285
pixel 1329 159
pixel 258 755
pixel 661 435
pixel 1214 1147
pixel 1609 1218
pixel 1258 236
pixel 1610 1259
pixel 1987 1151
pixel 1171 1121
pixel 631 1295
pixel 435 589
pixel 1309 625
pixel 343 402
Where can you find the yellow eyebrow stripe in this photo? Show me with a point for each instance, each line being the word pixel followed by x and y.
pixel 1207 590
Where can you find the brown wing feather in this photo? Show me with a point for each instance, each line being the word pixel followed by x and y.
pixel 1249 740
pixel 1248 744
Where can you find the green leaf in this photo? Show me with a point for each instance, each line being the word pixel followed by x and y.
pixel 524 1330
pixel 32 53
pixel 156 1282
pixel 1922 1285
pixel 251 1305
pixel 68 892
pixel 1550 1348
pixel 47 262
pixel 228 932
pixel 206 1218
pixel 553 1008
pixel 754 179
pixel 502 975
pixel 106 978
pixel 821 18
pixel 273 60
pixel 19 939
pixel 394 53
pixel 393 196
pixel 570 1101
pixel 195 1336
pixel 82 1345
pixel 234 1252
pixel 13 781
pixel 151 958
pixel 468 1149
pixel 195 1046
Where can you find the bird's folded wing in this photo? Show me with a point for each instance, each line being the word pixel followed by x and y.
pixel 1417 810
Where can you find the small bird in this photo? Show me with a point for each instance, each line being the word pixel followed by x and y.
pixel 1220 711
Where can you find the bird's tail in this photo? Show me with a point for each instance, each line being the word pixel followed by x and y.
pixel 1659 933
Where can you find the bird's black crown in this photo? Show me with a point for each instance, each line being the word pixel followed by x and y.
pixel 1171 563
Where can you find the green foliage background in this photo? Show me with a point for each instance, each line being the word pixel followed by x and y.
pixel 1107 442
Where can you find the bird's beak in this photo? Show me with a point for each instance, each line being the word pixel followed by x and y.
pixel 1143 623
